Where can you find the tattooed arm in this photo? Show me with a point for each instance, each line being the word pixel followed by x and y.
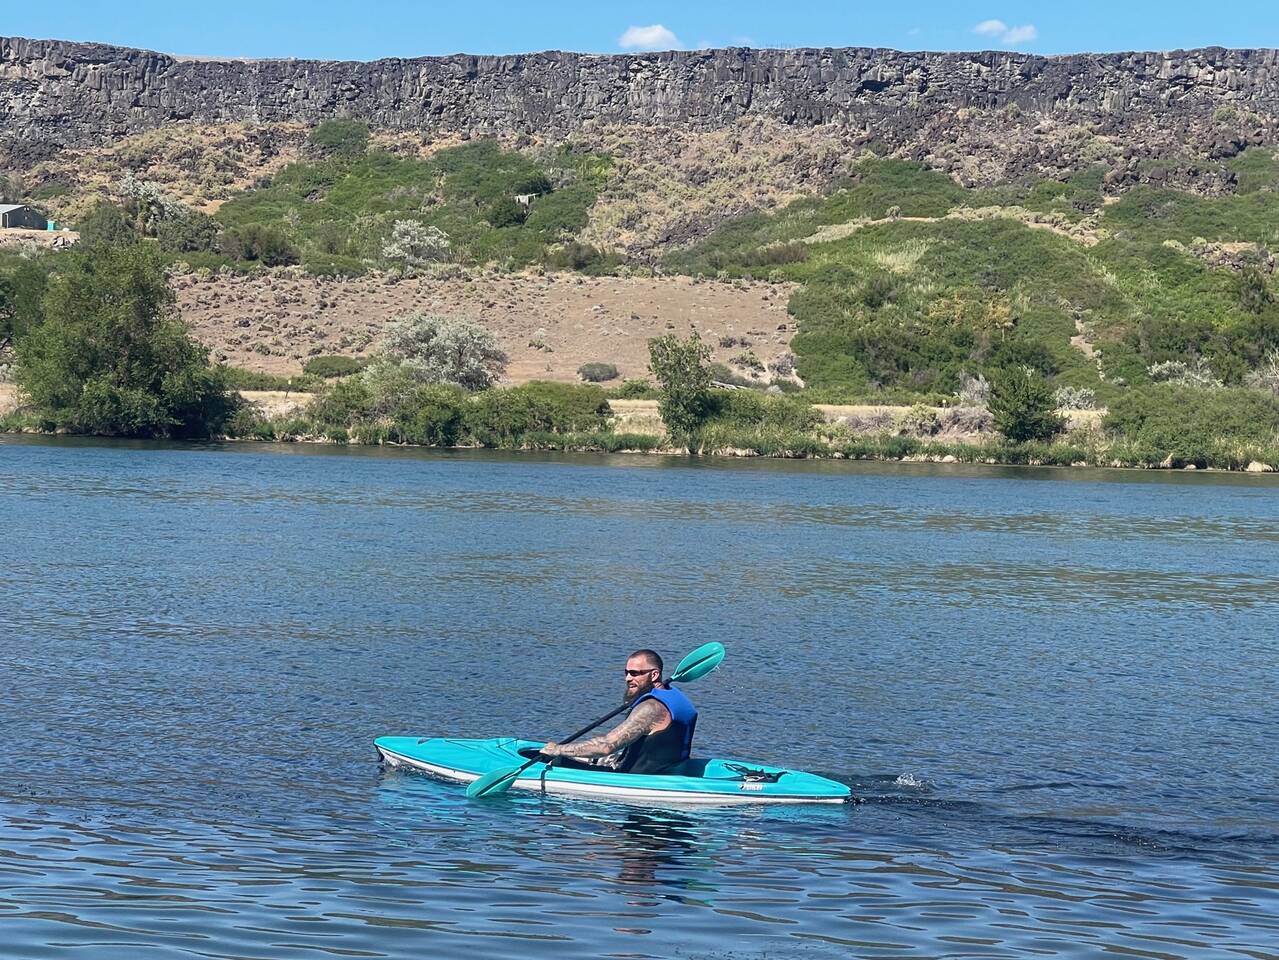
pixel 643 720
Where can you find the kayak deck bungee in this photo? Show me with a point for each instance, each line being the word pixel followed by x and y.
pixel 693 781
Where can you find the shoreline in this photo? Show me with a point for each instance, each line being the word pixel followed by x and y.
pixel 636 428
pixel 568 445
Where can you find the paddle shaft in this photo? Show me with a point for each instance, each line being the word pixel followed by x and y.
pixel 585 730
pixel 697 664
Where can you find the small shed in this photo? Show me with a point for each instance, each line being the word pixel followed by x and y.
pixel 20 215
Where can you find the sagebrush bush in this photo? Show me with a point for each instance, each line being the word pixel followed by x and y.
pixel 597 372
pixel 1075 398
pixel 437 349
pixel 919 421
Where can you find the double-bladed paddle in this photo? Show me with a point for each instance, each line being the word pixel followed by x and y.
pixel 696 665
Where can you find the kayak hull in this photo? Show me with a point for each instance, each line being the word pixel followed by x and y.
pixel 712 782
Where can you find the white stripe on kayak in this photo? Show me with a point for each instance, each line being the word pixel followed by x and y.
pixel 604 792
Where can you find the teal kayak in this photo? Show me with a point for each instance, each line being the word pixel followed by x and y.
pixel 693 781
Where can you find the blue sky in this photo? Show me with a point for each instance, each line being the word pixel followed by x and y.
pixel 401 28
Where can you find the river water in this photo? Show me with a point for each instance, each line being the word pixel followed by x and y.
pixel 1053 691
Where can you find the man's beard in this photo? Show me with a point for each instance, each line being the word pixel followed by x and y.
pixel 630 693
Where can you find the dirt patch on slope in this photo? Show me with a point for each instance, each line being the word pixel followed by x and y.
pixel 548 325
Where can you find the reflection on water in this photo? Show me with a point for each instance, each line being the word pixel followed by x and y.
pixel 1054 691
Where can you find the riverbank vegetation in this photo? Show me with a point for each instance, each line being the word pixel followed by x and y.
pixel 96 348
pixel 1001 309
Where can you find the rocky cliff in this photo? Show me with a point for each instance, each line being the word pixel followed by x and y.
pixel 55 94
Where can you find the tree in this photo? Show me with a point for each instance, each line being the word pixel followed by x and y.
pixel 106 224
pixel 683 383
pixel 21 290
pixel 1022 404
pixel 413 244
pixel 111 356
pixel 437 349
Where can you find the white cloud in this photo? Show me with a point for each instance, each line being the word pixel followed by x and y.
pixel 655 37
pixel 1011 36
pixel 1023 34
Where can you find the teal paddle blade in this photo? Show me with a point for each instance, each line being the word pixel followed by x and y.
pixel 699 663
pixel 493 783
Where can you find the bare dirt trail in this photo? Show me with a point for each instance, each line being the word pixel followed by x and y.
pixel 548 325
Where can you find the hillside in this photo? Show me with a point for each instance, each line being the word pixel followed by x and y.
pixel 910 280
pixel 923 218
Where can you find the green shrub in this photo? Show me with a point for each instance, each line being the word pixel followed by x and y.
pixel 1254 294
pixel 436 416
pixel 262 244
pixel 190 232
pixel 500 417
pixel 1191 424
pixel 342 403
pixel 324 265
pixel 634 389
pixel 506 212
pixel 597 372
pixel 581 257
pixel 1022 403
pixel 22 286
pixel 386 405
pixel 238 378
pixel 248 423
pixel 328 367
pixel 106 224
pixel 747 408
pixel 343 138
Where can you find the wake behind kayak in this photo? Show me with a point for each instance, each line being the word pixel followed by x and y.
pixel 690 782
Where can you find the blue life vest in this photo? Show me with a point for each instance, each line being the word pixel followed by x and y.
pixel 657 752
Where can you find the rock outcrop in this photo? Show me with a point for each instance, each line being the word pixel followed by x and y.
pixel 56 94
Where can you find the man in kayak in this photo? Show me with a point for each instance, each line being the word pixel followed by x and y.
pixel 656 734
